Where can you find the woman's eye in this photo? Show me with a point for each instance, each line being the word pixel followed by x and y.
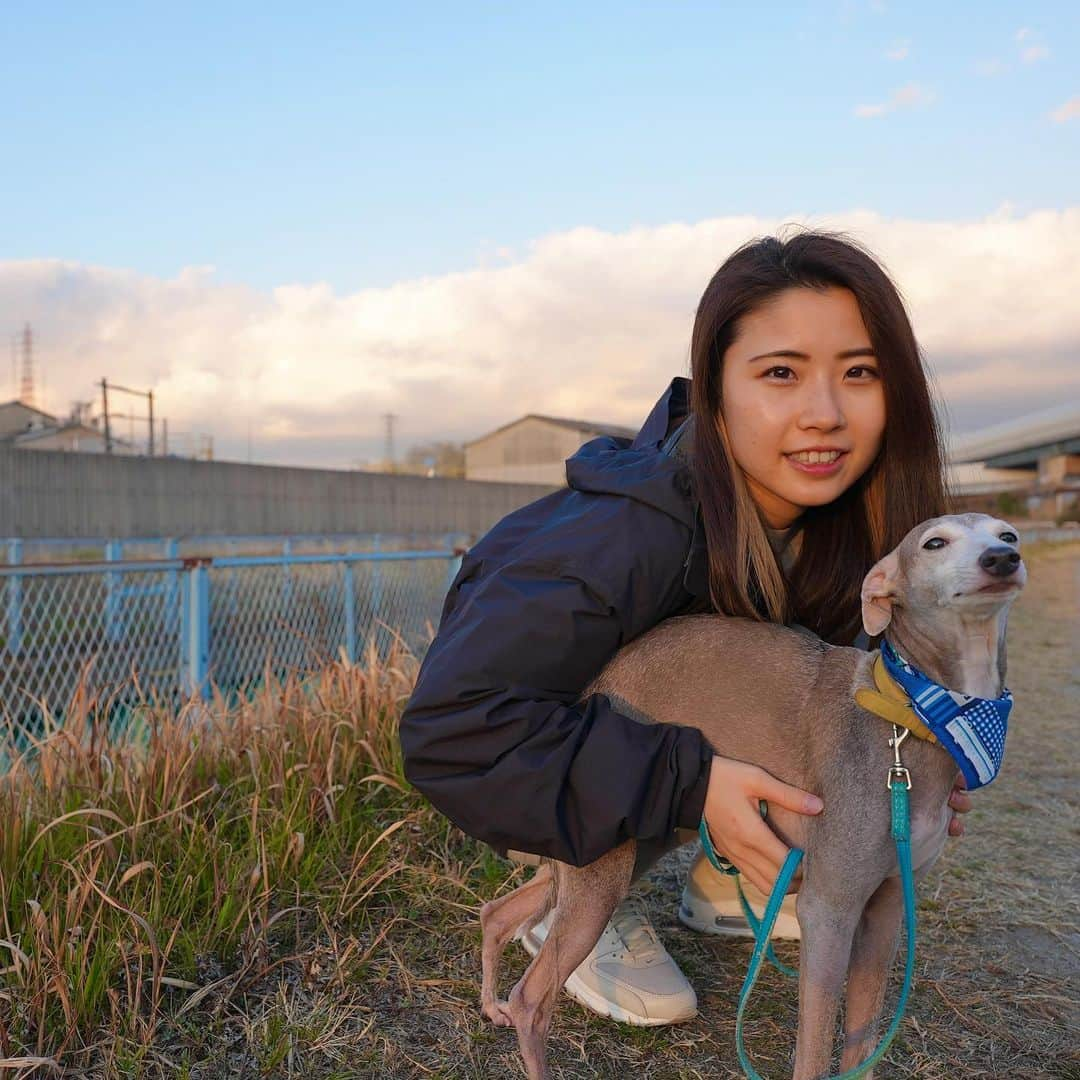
pixel 785 372
pixel 1009 537
pixel 934 543
pixel 862 372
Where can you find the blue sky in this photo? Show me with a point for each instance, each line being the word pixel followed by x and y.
pixel 289 222
pixel 363 144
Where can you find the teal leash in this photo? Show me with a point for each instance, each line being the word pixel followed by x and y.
pixel 899 783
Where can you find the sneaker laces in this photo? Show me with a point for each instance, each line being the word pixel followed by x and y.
pixel 631 924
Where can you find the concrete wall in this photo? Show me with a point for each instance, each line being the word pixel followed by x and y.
pixel 61 494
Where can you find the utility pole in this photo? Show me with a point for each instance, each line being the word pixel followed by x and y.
pixel 390 418
pixel 26 386
pixel 148 394
pixel 105 413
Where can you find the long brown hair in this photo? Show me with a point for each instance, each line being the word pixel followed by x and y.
pixel 841 540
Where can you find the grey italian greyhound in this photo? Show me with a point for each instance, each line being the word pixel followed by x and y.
pixel 783 699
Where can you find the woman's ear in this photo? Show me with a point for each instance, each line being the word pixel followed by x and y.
pixel 878 592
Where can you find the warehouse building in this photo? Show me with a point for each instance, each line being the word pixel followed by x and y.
pixel 1034 459
pixel 534 449
pixel 27 428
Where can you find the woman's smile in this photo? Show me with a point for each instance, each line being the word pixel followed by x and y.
pixel 817 462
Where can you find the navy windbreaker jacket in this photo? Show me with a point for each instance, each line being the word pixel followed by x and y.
pixel 493 734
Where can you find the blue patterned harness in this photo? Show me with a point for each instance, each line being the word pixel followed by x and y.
pixel 972 729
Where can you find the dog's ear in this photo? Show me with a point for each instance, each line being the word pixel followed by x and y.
pixel 878 592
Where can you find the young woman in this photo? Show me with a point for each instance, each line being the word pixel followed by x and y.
pixel 802 450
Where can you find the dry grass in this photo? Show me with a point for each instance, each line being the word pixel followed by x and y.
pixel 253 891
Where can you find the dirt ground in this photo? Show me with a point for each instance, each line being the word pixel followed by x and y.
pixel 997 988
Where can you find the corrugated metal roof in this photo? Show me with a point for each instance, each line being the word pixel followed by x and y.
pixel 587 427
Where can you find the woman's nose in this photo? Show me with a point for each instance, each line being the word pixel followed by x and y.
pixel 820 408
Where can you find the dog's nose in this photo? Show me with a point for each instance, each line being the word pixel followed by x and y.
pixel 1000 561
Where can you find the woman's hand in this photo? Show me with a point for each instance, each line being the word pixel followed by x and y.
pixel 960 801
pixel 735 824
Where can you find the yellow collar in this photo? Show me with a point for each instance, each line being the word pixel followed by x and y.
pixel 891 703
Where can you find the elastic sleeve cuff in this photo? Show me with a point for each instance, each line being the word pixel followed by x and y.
pixel 693 802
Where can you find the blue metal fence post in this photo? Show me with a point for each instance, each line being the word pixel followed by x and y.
pixel 114 552
pixel 195 628
pixel 350 613
pixel 14 600
pixel 286 550
pixel 292 645
pixel 172 578
pixel 185 626
pixel 376 591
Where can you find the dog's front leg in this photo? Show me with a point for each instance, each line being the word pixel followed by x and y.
pixel 827 924
pixel 871 959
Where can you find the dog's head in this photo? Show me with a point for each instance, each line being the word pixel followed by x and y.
pixel 959 562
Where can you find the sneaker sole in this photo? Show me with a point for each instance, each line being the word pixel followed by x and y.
pixel 597 1003
pixel 786 928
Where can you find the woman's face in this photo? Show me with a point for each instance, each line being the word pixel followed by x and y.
pixel 806 421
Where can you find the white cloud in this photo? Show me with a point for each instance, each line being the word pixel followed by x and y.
pixel 906 97
pixel 899 50
pixel 1034 50
pixel 1067 111
pixel 912 94
pixel 586 323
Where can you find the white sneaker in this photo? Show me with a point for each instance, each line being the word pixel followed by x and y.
pixel 710 904
pixel 629 975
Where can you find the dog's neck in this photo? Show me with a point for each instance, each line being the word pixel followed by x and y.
pixel 959 652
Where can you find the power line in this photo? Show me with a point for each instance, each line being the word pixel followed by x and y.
pixel 390 418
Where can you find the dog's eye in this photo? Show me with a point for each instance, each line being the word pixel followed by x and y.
pixel 1009 538
pixel 935 542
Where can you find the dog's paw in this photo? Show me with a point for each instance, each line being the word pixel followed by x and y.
pixel 498 1013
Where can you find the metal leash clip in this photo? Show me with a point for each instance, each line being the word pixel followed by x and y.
pixel 897 770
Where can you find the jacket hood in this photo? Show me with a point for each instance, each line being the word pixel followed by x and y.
pixel 653 468
pixel 643 468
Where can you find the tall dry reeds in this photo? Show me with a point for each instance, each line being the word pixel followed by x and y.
pixel 151 875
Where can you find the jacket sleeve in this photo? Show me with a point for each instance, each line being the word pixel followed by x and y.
pixel 494 737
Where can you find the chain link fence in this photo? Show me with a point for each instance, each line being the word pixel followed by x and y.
pixel 164 628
